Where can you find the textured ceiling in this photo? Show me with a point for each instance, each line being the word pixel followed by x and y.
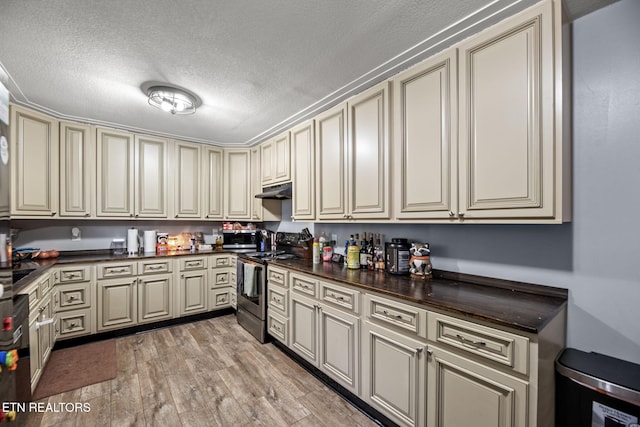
pixel 258 66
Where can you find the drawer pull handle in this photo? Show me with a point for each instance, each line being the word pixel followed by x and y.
pixel 192 264
pixel 117 270
pixel 470 342
pixel 71 298
pixel 393 316
pixel 155 267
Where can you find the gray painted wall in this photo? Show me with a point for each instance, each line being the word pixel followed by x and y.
pixel 595 256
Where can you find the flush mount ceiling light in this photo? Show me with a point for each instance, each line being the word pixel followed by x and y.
pixel 172 99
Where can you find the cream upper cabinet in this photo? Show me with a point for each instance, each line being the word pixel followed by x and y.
pixel 237 184
pixel 510 136
pixel 256 184
pixel 77 170
pixel 424 147
pixel 34 164
pixel 150 177
pixel 303 153
pixel 186 188
pixel 275 160
pixel 115 173
pixel 212 182
pixel 368 119
pixel 331 163
pixel 352 177
pixel 131 175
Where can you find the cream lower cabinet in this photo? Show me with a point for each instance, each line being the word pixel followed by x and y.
pixel 41 319
pixel 394 359
pixel 278 304
pixel 193 285
pixel 463 392
pixel 73 293
pixel 117 303
pixel 155 290
pixel 221 282
pixel 323 335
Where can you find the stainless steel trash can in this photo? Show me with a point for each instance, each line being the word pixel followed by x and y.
pixel 595 390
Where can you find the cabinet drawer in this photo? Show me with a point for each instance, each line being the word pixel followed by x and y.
pixel 340 296
pixel 489 343
pixel 198 263
pixel 277 277
pixel 305 285
pixel 278 300
pixel 220 261
pixel 33 291
pixel 72 296
pixel 219 298
pixel 119 269
pixel 278 328
pixel 74 323
pixel 403 316
pixel 45 283
pixel 72 274
pixel 234 261
pixel 221 278
pixel 155 267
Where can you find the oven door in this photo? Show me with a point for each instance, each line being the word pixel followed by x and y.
pixel 251 278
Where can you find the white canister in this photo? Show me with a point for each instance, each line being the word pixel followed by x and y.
pixel 149 242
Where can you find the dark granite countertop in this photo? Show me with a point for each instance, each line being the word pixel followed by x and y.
pixel 518 305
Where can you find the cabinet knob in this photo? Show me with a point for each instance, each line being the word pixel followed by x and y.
pixel 131 215
pixel 87 214
pixel 452 213
pixel 53 213
pixel 207 216
pixel 137 215
pixel 461 214
pixel 419 350
pixel 176 215
pixel 429 352
pixel 293 218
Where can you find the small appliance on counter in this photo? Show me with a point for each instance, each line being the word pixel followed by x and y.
pixel 397 256
pixel 132 241
pixel 244 240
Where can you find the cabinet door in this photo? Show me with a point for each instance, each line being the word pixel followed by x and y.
pixel 46 338
pixel 256 185
pixel 154 297
pixel 281 158
pixel 267 172
pixel 212 159
pixel 340 347
pixel 186 196
pixel 35 363
pixel 425 171
pixel 462 392
pixel 394 374
pixel 34 163
pixel 303 148
pixel 368 153
pixel 192 292
pixel 115 171
pixel 507 143
pixel 304 327
pixel 117 303
pixel 77 170
pixel 150 177
pixel 331 161
pixel 237 184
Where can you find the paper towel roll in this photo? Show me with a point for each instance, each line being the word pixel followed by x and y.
pixel 132 241
pixel 149 242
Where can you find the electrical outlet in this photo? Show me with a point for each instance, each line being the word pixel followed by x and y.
pixel 76 234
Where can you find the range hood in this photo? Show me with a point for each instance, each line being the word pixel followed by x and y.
pixel 282 191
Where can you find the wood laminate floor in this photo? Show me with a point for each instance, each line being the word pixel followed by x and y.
pixel 206 373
